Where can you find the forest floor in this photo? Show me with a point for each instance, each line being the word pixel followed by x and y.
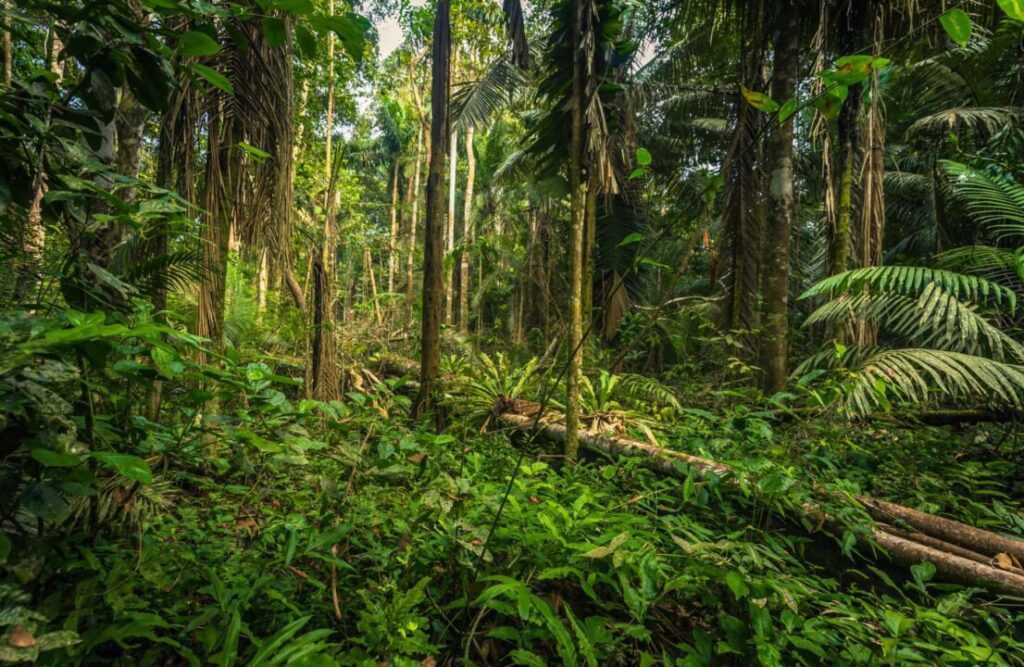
pixel 356 537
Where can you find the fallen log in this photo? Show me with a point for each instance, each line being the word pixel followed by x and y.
pixel 957 562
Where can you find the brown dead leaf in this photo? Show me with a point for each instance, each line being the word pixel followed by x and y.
pixel 417 458
pixel 1003 561
pixel 428 661
pixel 534 500
pixel 248 525
pixel 21 638
pixel 118 494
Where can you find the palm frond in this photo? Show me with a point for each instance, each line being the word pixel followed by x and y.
pixel 934 319
pixel 913 279
pixel 476 103
pixel 997 204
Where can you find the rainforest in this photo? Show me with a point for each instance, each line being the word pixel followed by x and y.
pixel 439 333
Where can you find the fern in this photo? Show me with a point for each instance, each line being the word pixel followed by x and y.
pixel 934 319
pixel 911 280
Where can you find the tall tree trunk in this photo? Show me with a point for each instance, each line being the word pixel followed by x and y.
pixel 433 237
pixel 467 233
pixel 221 138
pixel 324 375
pixel 453 174
pixel 372 283
pixel 872 170
pixel 8 48
pixel 850 41
pixel 775 280
pixel 577 222
pixel 393 235
pixel 410 249
pixel 34 242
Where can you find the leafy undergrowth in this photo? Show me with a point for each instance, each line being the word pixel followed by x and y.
pixel 371 546
pixel 251 527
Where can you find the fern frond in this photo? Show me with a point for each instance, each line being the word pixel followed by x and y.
pixel 997 204
pixel 916 375
pixel 910 280
pixel 934 319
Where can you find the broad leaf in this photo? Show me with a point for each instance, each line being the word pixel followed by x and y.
pixel 126 465
pixel 197 43
pixel 759 101
pixel 213 77
pixel 1013 8
pixel 957 25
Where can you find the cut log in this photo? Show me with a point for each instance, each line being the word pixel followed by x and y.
pixel 959 563
pixel 947 530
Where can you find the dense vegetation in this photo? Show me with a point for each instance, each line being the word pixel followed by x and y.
pixel 592 332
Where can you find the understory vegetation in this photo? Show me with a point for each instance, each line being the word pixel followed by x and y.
pixel 457 332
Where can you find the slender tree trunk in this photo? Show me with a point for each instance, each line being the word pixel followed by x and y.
pixel 453 174
pixel 324 376
pixel 467 233
pixel 216 229
pixel 433 237
pixel 871 184
pixel 35 232
pixel 576 232
pixel 8 48
pixel 851 39
pixel 393 236
pixel 372 280
pixel 410 258
pixel 780 204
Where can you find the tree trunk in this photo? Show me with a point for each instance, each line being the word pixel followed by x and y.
pixel 871 184
pixel 453 173
pixel 8 48
pixel 410 258
pixel 324 375
pixel 577 222
pixel 372 282
pixel 215 230
pixel 433 237
pixel 393 236
pixel 850 41
pixel 467 233
pixel 775 280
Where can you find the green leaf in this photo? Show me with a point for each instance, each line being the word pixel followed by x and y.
pixel 126 465
pixel 635 237
pixel 167 362
pixel 831 101
pixel 643 157
pixel 759 101
pixel 351 29
pixel 299 7
pixel 274 30
pixel 1013 8
pixel 259 154
pixel 787 110
pixel 306 41
pixel 45 503
pixel 213 77
pixel 52 459
pixel 734 580
pixel 637 173
pixel 197 43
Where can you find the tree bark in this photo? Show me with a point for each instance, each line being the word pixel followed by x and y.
pixel 775 280
pixel 433 242
pixel 577 222
pixel 393 236
pixel 467 233
pixel 449 272
pixel 410 258
pixel 324 375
